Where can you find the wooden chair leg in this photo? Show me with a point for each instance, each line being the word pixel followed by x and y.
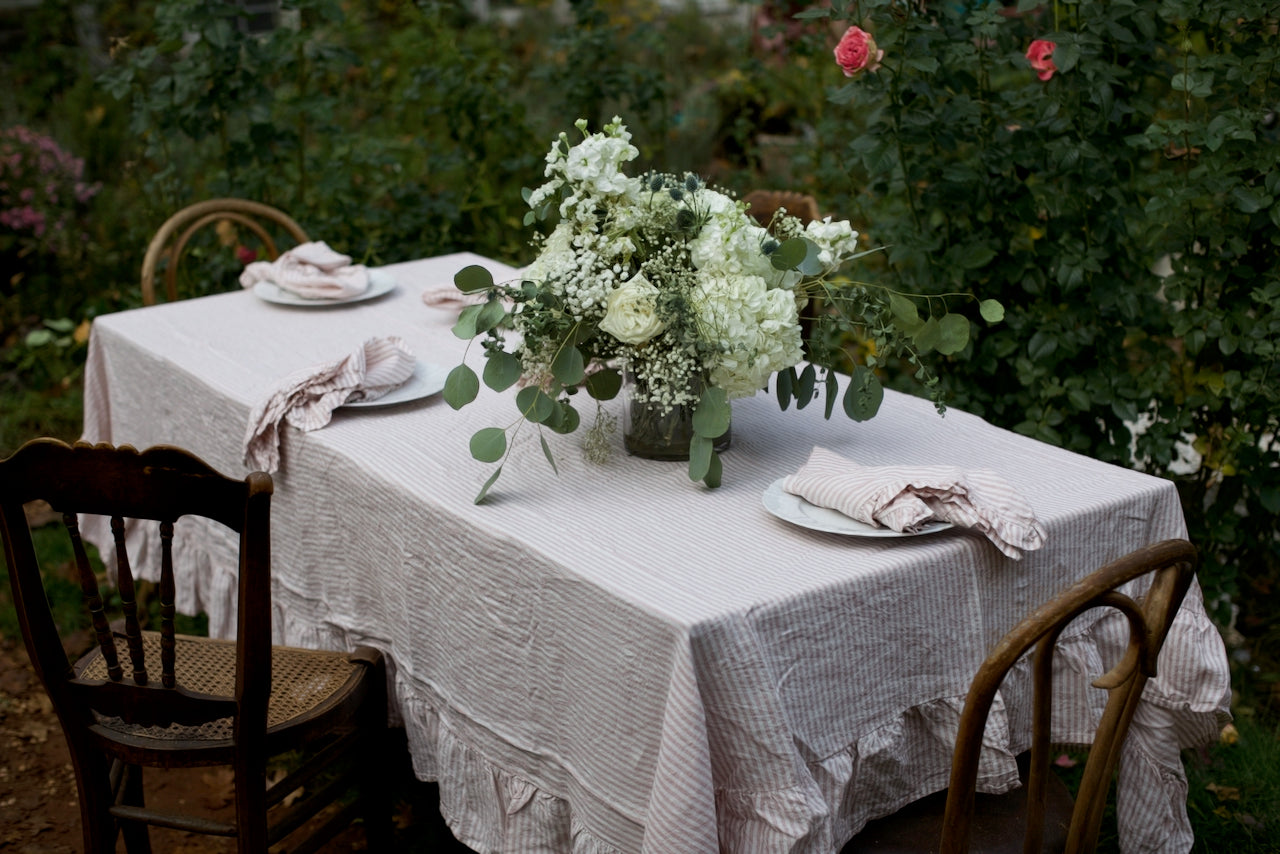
pixel 93 780
pixel 137 835
pixel 375 789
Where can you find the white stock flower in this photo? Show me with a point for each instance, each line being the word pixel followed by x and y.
pixel 631 313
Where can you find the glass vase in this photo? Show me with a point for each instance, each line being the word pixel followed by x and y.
pixel 651 433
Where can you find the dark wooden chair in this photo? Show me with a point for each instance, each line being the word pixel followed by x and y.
pixel 170 241
pixel 1041 816
pixel 146 698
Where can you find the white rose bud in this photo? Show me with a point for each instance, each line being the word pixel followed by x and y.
pixel 631 313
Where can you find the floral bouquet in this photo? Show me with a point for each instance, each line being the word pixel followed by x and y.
pixel 671 284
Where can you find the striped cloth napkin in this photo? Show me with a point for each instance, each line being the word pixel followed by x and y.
pixel 905 497
pixel 310 270
pixel 307 398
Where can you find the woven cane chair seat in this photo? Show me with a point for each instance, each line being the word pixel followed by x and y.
pixel 301 680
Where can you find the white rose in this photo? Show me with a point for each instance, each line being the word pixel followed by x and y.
pixel 631 312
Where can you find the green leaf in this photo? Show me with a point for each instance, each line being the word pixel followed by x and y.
pixel 61 324
pixel 484 490
pixel 546 451
pixel 490 315
pixel 568 419
pixel 534 404
pixel 501 370
pixel 992 310
pixel 473 278
pixel 700 453
pixel 812 263
pixel 790 254
pixel 783 383
pixel 712 417
pixel 804 388
pixel 927 64
pixel 461 387
pixel 568 367
pixel 715 472
pixel 604 384
pixel 39 337
pixel 863 396
pixel 488 445
pixel 953 334
pixel 904 310
pixel 926 338
pixel 811 14
pixel 465 328
pixel 833 389
pixel 1041 345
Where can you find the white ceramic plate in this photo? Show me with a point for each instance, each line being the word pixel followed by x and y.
pixel 426 381
pixel 379 283
pixel 797 511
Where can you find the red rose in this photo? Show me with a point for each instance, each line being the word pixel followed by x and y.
pixel 246 255
pixel 857 52
pixel 1040 56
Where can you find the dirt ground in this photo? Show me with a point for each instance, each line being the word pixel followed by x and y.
pixel 40 813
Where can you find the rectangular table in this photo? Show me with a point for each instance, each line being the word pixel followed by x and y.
pixel 615 659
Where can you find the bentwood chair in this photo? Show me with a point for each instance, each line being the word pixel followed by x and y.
pixel 160 699
pixel 170 241
pixel 1042 816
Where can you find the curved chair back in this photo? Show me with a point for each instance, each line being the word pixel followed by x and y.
pixel 170 241
pixel 1172 565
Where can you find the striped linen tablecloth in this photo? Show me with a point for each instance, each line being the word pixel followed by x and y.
pixel 614 659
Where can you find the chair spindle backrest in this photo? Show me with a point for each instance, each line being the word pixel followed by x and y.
pixel 156 486
pixel 1172 565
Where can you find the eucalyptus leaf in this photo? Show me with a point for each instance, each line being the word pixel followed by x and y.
pixel 833 390
pixel 488 445
pixel 904 310
pixel 604 384
pixel 712 417
pixel 465 328
pixel 473 278
pixel 805 387
pixel 546 450
pixel 461 387
pixel 484 490
pixel 700 453
pixel 992 310
pixel 863 396
pixel 567 420
pixel 926 338
pixel 953 334
pixel 812 264
pixel 534 404
pixel 568 367
pixel 782 385
pixel 491 314
pixel 715 472
pixel 501 370
pixel 790 254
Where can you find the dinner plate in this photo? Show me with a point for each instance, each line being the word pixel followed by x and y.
pixel 797 511
pixel 379 283
pixel 426 381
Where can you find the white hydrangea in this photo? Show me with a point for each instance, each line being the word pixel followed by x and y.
pixel 755 327
pixel 837 241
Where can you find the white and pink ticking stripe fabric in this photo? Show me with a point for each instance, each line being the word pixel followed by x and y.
pixel 310 270
pixel 306 399
pixel 905 497
pixel 611 659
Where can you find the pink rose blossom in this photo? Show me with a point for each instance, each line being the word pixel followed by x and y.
pixel 857 52
pixel 1040 55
